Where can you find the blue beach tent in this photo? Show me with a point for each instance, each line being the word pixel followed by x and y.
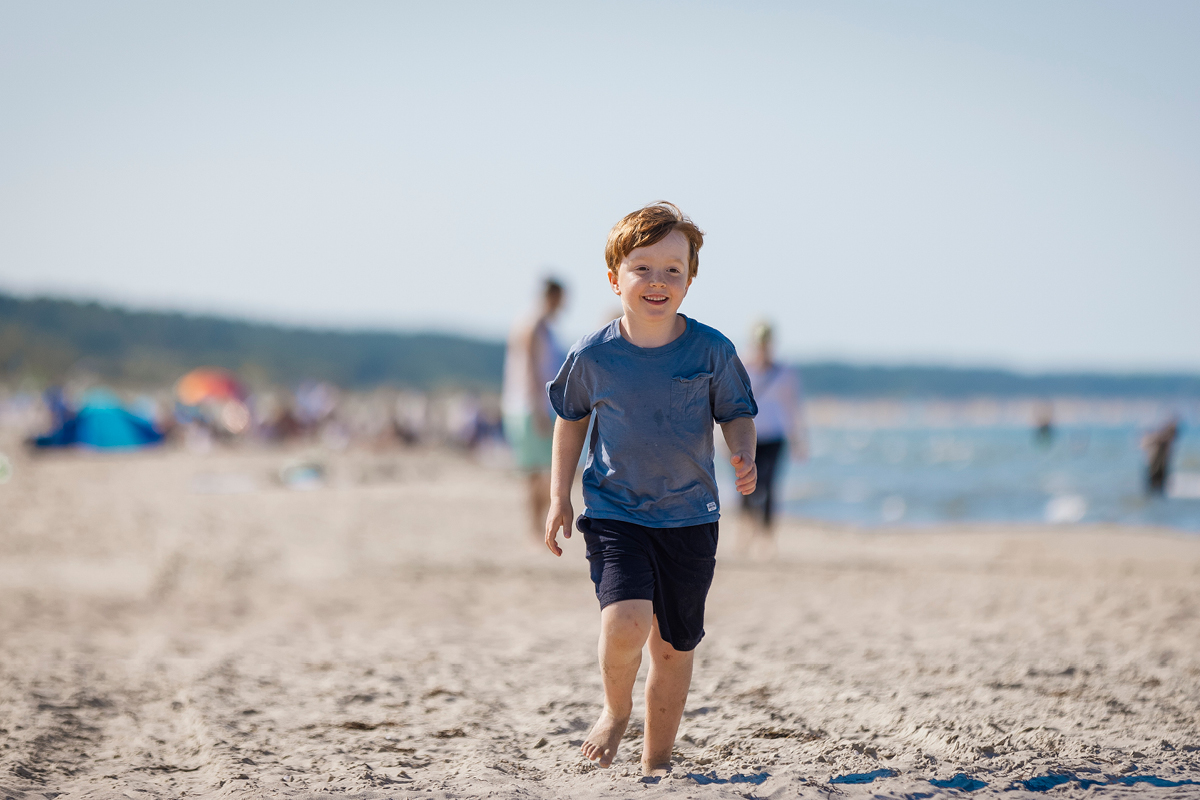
pixel 102 423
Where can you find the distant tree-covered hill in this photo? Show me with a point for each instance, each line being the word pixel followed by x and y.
pixel 47 340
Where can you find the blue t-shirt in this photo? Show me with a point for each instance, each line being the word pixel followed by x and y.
pixel 650 457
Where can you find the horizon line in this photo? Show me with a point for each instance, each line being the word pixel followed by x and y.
pixel 824 360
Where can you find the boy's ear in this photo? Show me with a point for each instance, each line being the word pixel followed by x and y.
pixel 612 282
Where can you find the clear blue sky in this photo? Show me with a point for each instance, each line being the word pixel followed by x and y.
pixel 1008 183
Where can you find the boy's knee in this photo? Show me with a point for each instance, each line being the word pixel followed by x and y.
pixel 663 651
pixel 627 623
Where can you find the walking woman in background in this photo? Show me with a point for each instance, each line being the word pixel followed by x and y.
pixel 530 362
pixel 781 434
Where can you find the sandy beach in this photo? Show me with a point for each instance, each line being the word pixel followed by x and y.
pixel 175 624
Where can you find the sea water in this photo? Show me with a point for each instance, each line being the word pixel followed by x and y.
pixel 916 476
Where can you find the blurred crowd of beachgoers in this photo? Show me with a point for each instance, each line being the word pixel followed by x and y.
pixel 210 408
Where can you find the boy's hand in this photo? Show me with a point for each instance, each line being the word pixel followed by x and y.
pixel 747 472
pixel 561 515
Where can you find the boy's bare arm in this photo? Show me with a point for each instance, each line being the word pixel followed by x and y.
pixel 568 444
pixel 743 443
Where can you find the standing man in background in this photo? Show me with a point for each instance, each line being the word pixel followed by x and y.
pixel 781 433
pixel 531 361
pixel 1158 456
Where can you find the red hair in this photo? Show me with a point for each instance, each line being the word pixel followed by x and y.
pixel 650 225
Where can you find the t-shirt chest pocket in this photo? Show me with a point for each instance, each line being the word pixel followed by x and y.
pixel 689 396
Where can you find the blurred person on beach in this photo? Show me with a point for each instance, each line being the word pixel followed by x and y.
pixel 531 361
pixel 1158 447
pixel 781 434
pixel 653 381
pixel 1043 431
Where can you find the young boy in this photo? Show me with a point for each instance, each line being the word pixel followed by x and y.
pixel 654 381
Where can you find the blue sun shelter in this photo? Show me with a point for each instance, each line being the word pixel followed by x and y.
pixel 101 423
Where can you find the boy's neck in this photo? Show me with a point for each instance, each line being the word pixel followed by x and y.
pixel 652 333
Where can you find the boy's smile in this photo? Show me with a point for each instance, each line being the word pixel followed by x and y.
pixel 652 282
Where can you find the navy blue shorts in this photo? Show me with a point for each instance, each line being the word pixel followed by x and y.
pixel 671 567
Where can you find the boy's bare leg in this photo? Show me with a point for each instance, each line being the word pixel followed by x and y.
pixel 666 693
pixel 624 628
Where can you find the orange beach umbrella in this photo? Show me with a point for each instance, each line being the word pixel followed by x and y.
pixel 208 383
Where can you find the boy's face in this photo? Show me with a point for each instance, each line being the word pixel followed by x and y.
pixel 652 281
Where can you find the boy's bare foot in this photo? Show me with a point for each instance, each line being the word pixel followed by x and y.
pixel 656 771
pixel 601 744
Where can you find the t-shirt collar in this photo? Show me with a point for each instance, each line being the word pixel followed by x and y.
pixel 669 347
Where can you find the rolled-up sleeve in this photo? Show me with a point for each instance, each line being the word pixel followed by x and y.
pixel 570 391
pixel 732 397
